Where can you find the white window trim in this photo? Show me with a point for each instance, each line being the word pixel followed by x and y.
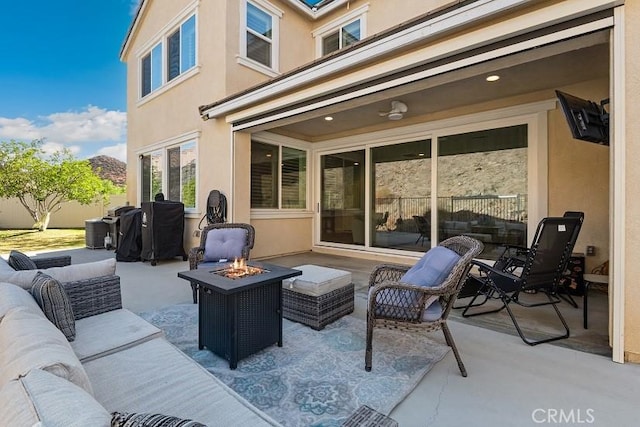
pixel 161 37
pixel 167 86
pixel 163 146
pixel 534 115
pixel 285 213
pixel 276 15
pixel 254 65
pixel 321 32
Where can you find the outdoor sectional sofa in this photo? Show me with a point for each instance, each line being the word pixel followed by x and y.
pixel 117 363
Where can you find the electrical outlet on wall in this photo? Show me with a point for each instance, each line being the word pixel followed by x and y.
pixel 591 250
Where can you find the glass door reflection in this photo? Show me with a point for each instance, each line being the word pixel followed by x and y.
pixel 342 205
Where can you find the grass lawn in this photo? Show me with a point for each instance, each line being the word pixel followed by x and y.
pixel 33 240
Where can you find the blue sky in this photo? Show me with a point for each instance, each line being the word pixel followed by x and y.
pixel 61 78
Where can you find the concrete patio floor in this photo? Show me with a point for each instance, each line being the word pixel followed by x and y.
pixel 509 383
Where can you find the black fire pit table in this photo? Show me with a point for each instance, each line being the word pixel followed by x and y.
pixel 239 316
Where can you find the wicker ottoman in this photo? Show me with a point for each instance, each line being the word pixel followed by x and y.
pixel 318 297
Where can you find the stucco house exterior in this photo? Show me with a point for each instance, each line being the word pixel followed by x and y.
pixel 330 125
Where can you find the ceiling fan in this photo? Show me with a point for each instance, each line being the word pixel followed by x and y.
pixel 397 110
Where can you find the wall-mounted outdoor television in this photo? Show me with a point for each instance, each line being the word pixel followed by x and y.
pixel 587 120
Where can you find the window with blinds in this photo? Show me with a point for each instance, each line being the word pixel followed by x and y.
pixel 152 70
pixel 278 177
pixel 259 35
pixel 342 37
pixel 180 48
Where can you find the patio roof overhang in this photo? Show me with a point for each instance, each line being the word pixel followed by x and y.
pixel 412 60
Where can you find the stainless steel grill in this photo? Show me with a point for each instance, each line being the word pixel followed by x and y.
pixel 113 220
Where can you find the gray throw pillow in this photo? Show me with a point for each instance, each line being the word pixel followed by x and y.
pixel 119 419
pixel 20 261
pixel 53 300
pixel 224 243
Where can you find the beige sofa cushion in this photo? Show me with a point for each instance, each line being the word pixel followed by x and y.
pixel 68 273
pixel 46 398
pixel 30 341
pixel 106 333
pixel 13 297
pixel 156 377
pixel 5 267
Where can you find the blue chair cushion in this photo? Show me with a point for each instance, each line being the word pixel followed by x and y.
pixel 433 268
pixel 432 312
pixel 224 243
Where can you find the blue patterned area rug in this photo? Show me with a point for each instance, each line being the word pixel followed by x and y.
pixel 317 378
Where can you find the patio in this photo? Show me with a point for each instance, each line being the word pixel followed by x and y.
pixel 509 382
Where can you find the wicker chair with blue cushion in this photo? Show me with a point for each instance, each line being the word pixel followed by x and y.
pixel 220 244
pixel 421 297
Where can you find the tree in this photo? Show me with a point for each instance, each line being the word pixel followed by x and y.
pixel 42 183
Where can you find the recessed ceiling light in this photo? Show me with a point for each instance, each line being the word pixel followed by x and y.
pixel 421 154
pixel 493 78
pixel 268 154
pixel 328 118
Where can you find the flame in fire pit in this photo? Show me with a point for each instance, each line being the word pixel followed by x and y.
pixel 239 269
pixel 240 264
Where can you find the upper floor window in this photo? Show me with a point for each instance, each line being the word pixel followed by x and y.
pixel 172 56
pixel 342 37
pixel 181 49
pixel 171 171
pixel 260 36
pixel 152 70
pixel 341 32
pixel 278 177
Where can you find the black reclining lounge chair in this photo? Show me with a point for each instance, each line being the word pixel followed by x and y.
pixel 538 268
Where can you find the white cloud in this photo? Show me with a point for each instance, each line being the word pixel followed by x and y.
pixel 18 129
pixel 71 130
pixel 118 151
pixel 52 147
pixel 94 124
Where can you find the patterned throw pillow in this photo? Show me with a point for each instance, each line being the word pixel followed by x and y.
pixel 53 300
pixel 120 419
pixel 20 261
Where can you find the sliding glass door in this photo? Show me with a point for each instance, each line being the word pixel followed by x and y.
pixel 342 205
pixel 419 193
pixel 482 187
pixel 401 196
